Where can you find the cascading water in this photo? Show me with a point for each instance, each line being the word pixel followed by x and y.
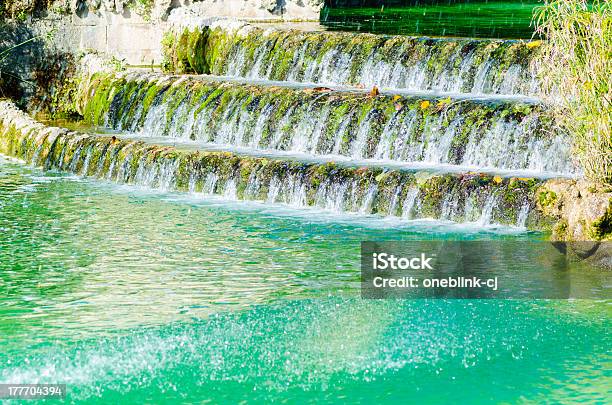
pixel 329 186
pixel 117 292
pixel 300 127
pixel 502 135
pixel 443 64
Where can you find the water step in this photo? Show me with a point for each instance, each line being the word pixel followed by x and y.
pixel 505 135
pixel 341 161
pixel 458 197
pixel 442 64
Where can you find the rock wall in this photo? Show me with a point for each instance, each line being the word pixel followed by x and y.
pixel 129 30
pixel 128 37
pixel 302 10
pixel 157 10
pixel 43 42
pixel 583 210
pixel 32 73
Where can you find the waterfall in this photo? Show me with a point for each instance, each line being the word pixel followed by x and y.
pixel 409 202
pixel 523 215
pixel 482 77
pixel 344 58
pixel 438 146
pixel 487 210
pixel 340 189
pixel 367 201
pixel 230 190
pixel 87 161
pixel 506 136
pixel 383 150
pixel 210 183
pixel 394 201
pixel 359 145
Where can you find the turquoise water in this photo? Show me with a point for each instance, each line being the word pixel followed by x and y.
pixel 129 295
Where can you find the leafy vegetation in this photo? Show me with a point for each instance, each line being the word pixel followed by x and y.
pixel 20 10
pixel 144 8
pixel 576 69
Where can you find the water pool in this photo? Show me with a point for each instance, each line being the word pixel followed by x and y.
pixel 478 19
pixel 127 295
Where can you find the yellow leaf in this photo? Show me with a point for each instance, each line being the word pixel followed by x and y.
pixel 381 176
pixel 497 179
pixel 425 104
pixel 396 98
pixel 533 44
pixel 443 103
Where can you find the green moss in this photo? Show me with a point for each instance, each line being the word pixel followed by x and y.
pixel 98 95
pixel 601 229
pixel 560 230
pixel 168 40
pixel 153 91
pixel 547 198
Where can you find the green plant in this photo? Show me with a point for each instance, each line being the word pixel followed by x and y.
pixel 22 16
pixel 116 64
pixel 144 8
pixel 576 67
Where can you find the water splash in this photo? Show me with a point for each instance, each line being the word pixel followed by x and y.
pixel 336 58
pixel 506 136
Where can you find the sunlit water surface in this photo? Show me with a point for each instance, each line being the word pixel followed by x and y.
pixel 131 296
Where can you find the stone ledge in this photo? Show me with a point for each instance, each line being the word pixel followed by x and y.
pixel 367 190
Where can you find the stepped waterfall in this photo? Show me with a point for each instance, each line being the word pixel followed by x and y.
pixel 452 134
pixel 477 134
pixel 334 58
pixel 469 197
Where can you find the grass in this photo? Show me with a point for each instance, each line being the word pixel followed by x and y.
pixel 576 69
